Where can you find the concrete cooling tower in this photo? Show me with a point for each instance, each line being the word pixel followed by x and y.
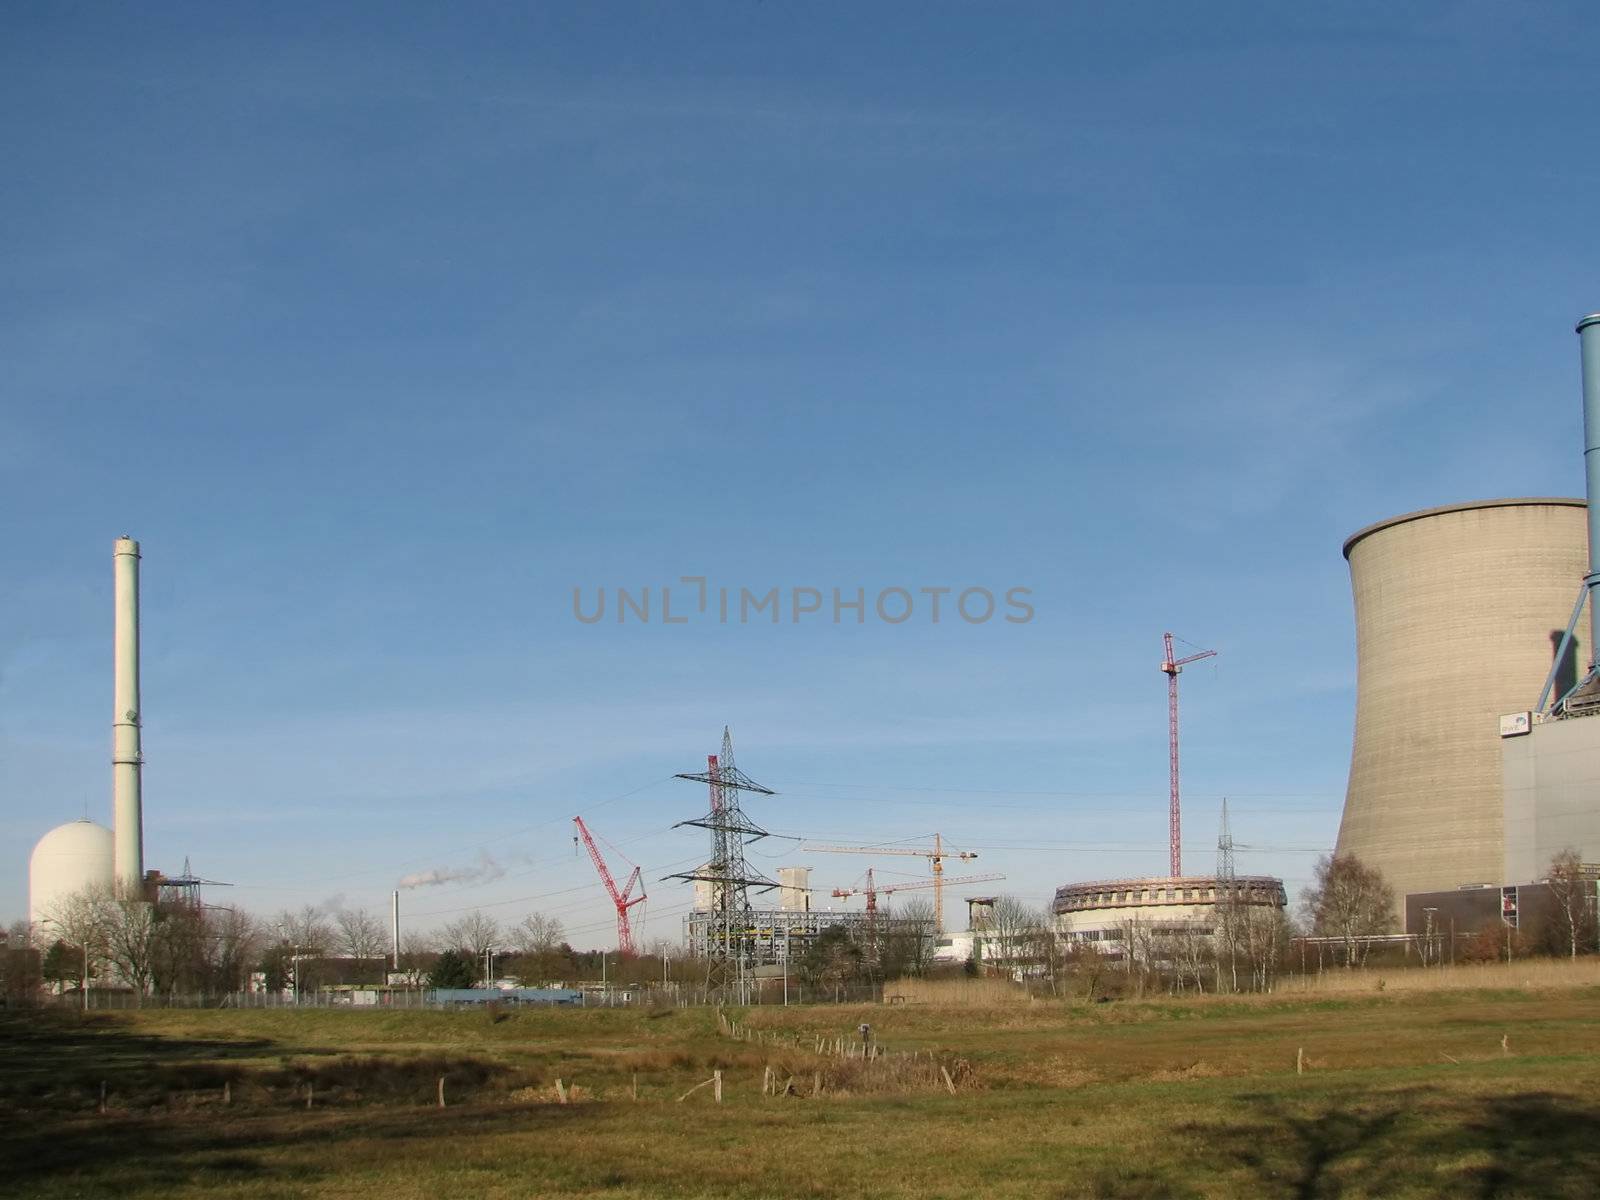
pixel 1458 613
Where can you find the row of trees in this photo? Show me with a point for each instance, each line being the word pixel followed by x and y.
pixel 95 937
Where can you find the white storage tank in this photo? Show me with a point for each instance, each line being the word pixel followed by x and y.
pixel 67 860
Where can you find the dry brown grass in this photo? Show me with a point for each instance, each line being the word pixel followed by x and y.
pixel 1403 1096
pixel 962 993
pixel 1544 974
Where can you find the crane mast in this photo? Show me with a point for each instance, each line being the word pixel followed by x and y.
pixel 1172 667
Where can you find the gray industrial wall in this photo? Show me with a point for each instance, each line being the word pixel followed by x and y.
pixel 1551 788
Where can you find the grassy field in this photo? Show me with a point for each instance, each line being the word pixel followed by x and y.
pixel 1405 1092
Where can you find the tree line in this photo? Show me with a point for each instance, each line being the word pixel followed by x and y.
pixel 96 939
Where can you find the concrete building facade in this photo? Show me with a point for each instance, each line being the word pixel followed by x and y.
pixel 1104 913
pixel 1457 611
pixel 1551 787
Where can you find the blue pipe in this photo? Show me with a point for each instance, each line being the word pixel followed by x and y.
pixel 1589 342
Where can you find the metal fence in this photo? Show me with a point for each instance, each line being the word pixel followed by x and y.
pixel 672 995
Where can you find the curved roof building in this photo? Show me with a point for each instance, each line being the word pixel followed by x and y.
pixel 66 861
pixel 1457 613
pixel 1098 911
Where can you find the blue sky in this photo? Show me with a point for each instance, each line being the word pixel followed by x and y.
pixel 384 328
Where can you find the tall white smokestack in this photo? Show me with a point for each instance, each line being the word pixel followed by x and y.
pixel 127 759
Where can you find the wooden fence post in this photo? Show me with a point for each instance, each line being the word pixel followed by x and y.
pixel 441 1091
pixel 716 1085
pixel 1300 1061
pixel 561 1091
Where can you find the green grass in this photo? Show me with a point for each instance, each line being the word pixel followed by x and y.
pixel 1404 1096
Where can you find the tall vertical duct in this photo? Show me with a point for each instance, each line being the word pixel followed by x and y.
pixel 127 758
pixel 1589 348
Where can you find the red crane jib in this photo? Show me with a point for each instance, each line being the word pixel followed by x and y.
pixel 620 899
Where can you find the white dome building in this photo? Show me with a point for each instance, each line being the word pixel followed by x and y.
pixel 67 860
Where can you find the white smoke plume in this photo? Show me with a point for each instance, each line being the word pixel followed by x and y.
pixel 486 870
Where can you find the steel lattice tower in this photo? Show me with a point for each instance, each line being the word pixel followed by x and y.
pixel 1225 846
pixel 1225 926
pixel 732 953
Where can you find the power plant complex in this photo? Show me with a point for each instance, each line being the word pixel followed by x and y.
pixel 1474 760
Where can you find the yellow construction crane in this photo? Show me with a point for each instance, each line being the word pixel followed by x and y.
pixel 872 891
pixel 936 857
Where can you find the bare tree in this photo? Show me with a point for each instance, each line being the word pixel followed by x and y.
pixel 179 958
pixel 1263 936
pixel 130 929
pixel 536 934
pixel 1190 950
pixel 1570 889
pixel 417 954
pixel 306 929
pixel 1011 928
pixel 1087 966
pixel 1351 902
pixel 475 933
pixel 1138 950
pixel 76 920
pixel 234 941
pixel 1047 947
pixel 19 963
pixel 359 934
pixel 907 944
pixel 916 923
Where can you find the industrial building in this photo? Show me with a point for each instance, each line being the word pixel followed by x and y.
pixel 773 937
pixel 1103 913
pixel 1474 760
pixel 1551 784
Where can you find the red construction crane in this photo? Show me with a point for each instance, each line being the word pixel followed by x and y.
pixel 620 899
pixel 1173 667
pixel 871 891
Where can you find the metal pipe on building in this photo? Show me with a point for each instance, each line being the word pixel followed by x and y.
pixel 127 757
pixel 1589 344
pixel 396 930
